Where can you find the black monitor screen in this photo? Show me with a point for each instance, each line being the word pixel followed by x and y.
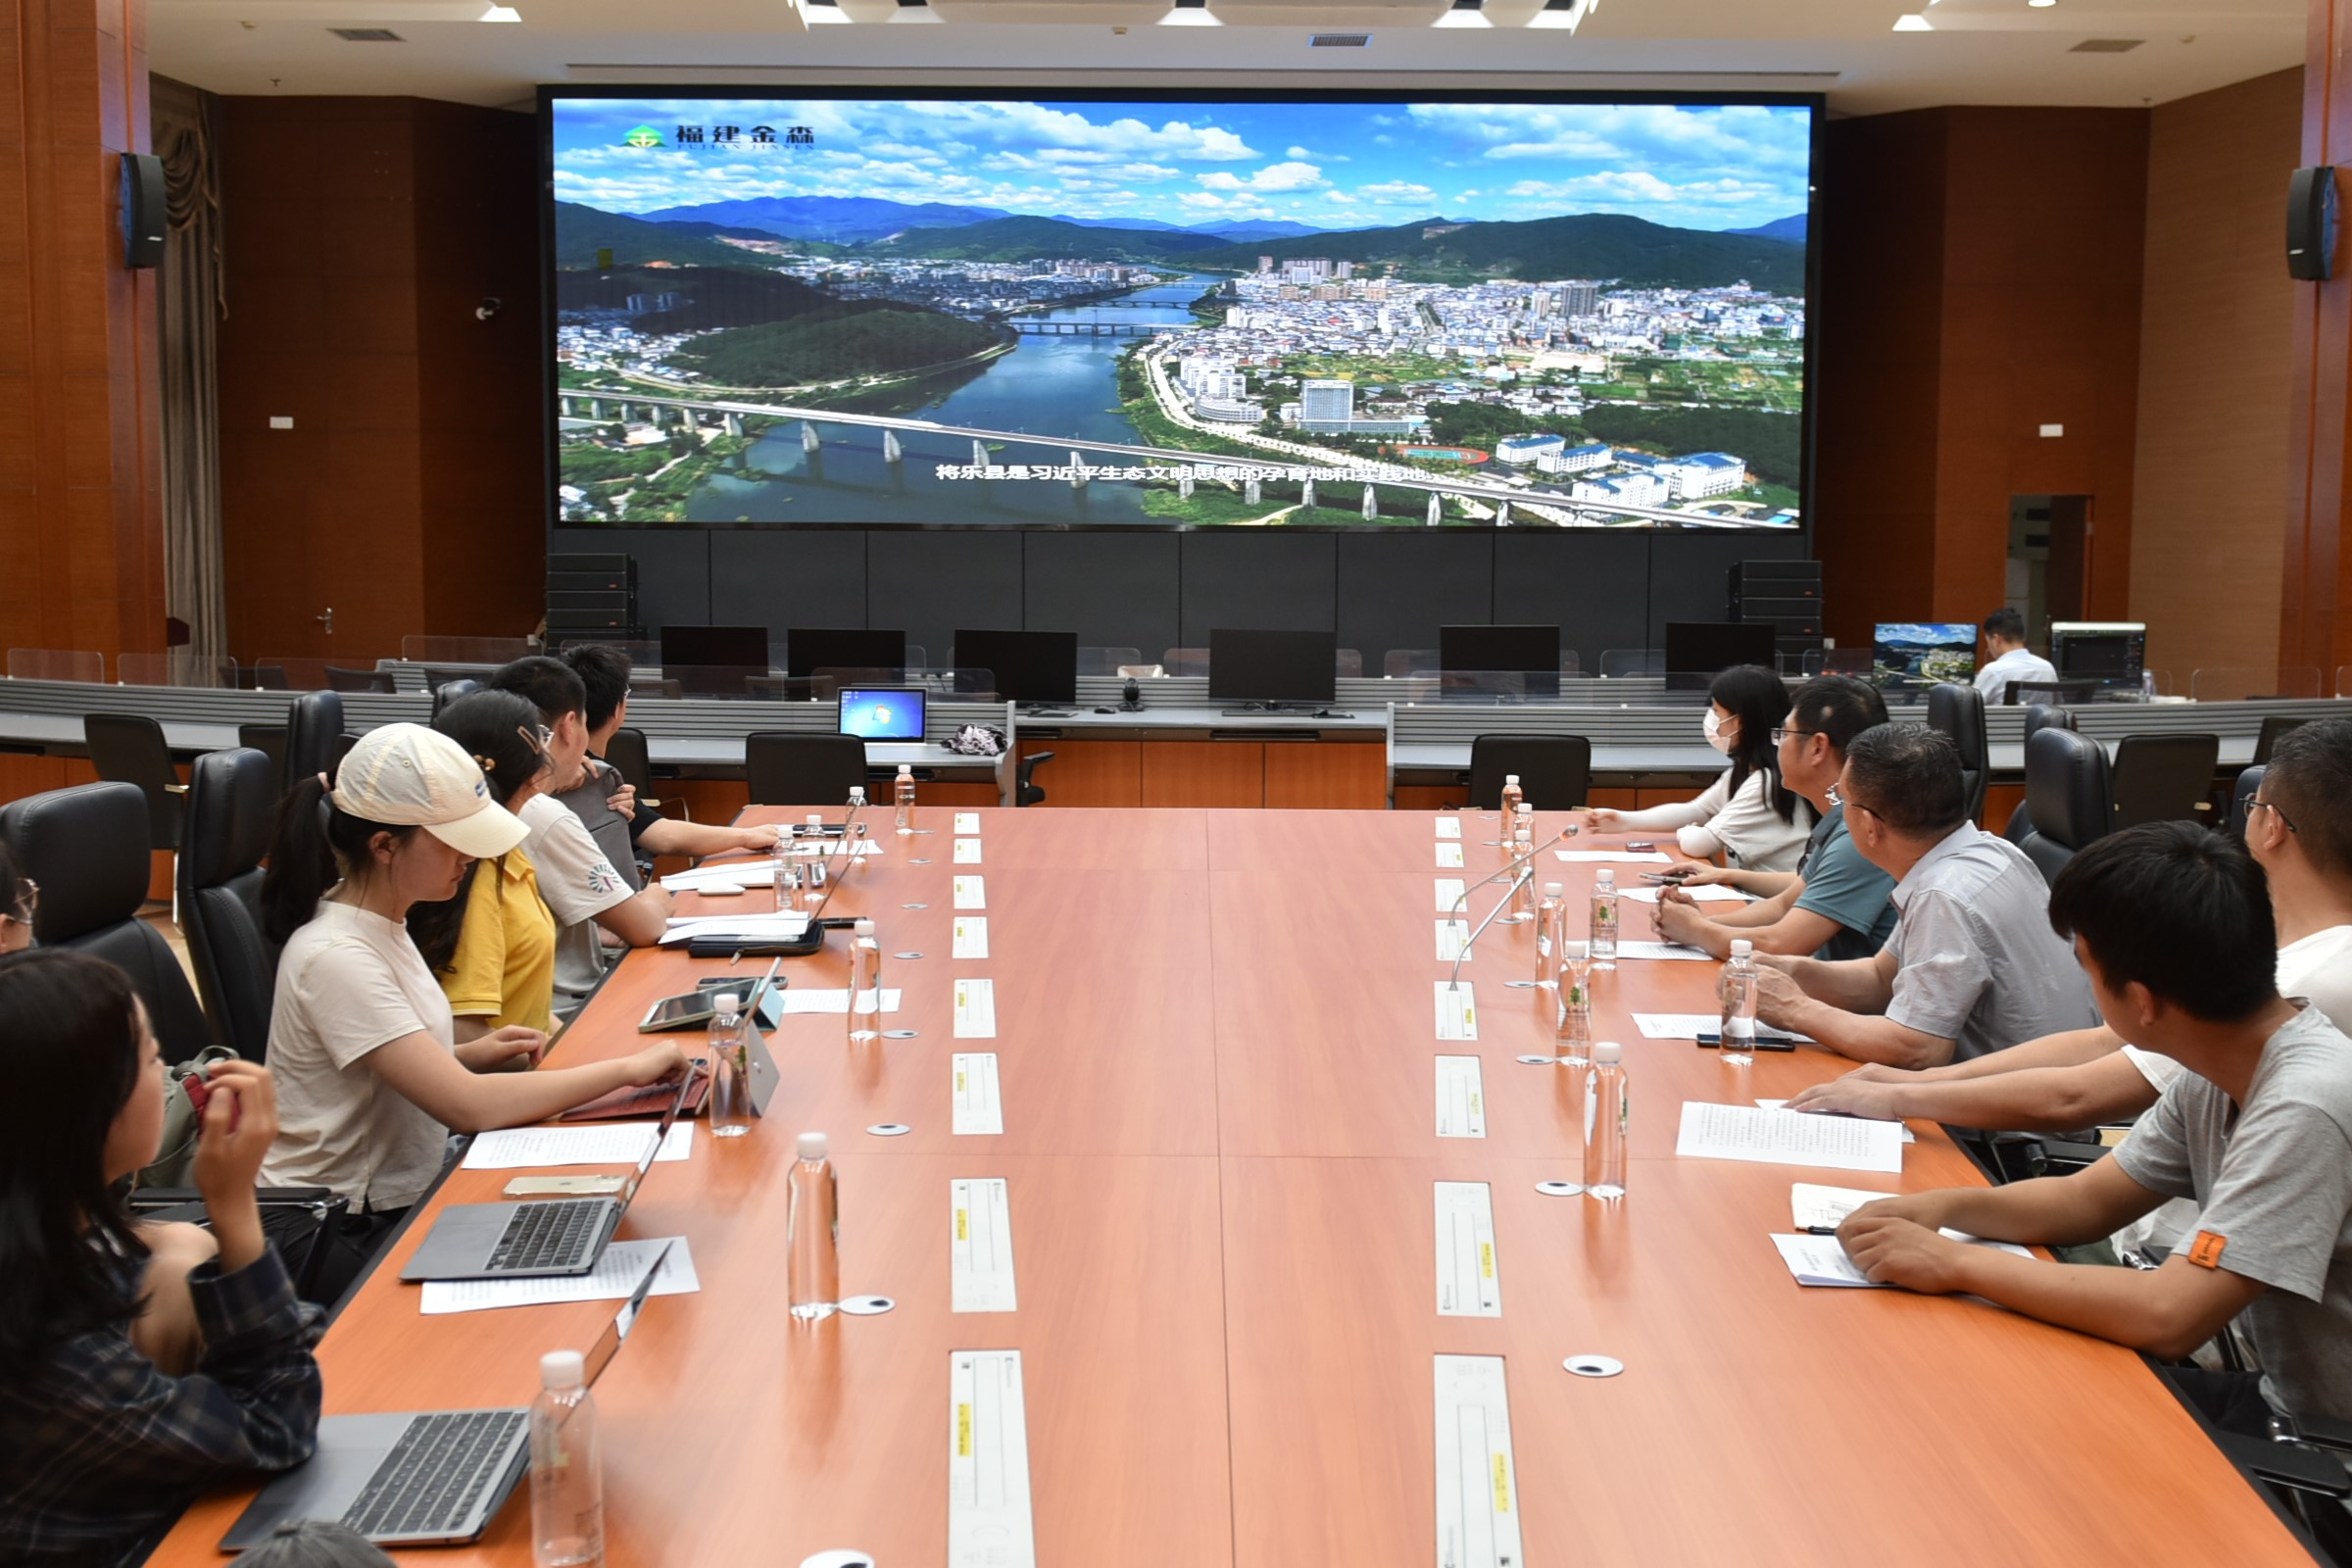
pixel 814 648
pixel 1027 667
pixel 1531 652
pixel 1273 667
pixel 1705 648
pixel 714 658
pixel 2106 655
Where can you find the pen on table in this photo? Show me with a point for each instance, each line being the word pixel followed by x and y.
pixel 1821 1230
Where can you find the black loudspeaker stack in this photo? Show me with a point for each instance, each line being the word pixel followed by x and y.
pixel 1786 595
pixel 143 220
pixel 592 599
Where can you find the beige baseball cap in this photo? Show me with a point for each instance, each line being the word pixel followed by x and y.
pixel 405 775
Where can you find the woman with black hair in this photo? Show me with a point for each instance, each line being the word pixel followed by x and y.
pixel 102 1442
pixel 492 946
pixel 1747 815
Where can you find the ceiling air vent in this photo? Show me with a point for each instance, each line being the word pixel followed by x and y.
pixel 366 34
pixel 1338 40
pixel 2106 46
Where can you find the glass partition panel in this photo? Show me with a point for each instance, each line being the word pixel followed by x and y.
pixel 2343 680
pixel 1620 662
pixel 175 668
pixel 56 663
pixel 1402 662
pixel 433 649
pixel 292 673
pixel 1497 685
pixel 1107 660
pixel 1185 662
pixel 2253 682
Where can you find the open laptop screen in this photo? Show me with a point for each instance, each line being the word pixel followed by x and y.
pixel 882 712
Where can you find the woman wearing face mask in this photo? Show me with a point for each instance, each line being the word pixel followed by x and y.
pixel 371 1077
pixel 1747 815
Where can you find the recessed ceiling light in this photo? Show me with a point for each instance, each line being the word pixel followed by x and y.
pixel 1190 14
pixel 1913 22
pixel 1463 13
pixel 1559 14
pixel 914 11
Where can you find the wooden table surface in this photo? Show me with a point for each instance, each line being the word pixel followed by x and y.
pixel 1215 1036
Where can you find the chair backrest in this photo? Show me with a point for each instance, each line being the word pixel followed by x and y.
pixel 2267 741
pixel 1959 712
pixel 231 799
pixel 449 691
pixel 313 726
pixel 2069 804
pixel 360 680
pixel 270 741
pixel 1107 660
pixel 2242 797
pixel 2044 716
pixel 633 760
pixel 2165 778
pixel 1185 661
pixel 1400 663
pixel 1350 663
pixel 129 749
pixel 86 846
pixel 789 769
pixel 1555 771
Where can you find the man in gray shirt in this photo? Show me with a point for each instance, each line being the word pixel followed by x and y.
pixel 2173 926
pixel 1972 964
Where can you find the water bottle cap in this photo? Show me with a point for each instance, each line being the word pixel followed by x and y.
pixel 864 929
pixel 1551 890
pixel 1510 778
pixel 727 1001
pixel 813 1146
pixel 1742 947
pixel 563 1369
pixel 1574 948
pixel 858 791
pixel 817 819
pixel 1605 877
pixel 906 769
pixel 1607 1053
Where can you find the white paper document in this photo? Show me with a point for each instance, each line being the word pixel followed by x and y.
pixel 967 821
pixel 834 1001
pixel 1614 858
pixel 978 1100
pixel 1449 855
pixel 739 873
pixel 1811 1206
pixel 1469 1283
pixel 613 1142
pixel 971 936
pixel 988 1462
pixel 1457 1011
pixel 1661 950
pixel 1478 1487
pixel 1788 1138
pixel 967 852
pixel 1909 1136
pixel 1461 1099
pixel 613 1279
pixel 980 1247
pixel 1822 1260
pixel 1450 893
pixel 970 893
pixel 1691 1025
pixel 755 927
pixel 827 849
pixel 1454 942
pixel 975 1009
pixel 1449 827
pixel 1704 892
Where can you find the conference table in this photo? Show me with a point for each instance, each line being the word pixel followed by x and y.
pixel 1216 1046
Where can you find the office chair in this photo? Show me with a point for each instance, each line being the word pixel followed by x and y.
pixel 262 677
pixel 129 749
pixel 1350 663
pixel 232 801
pixel 2164 778
pixel 633 760
pixel 313 725
pixel 449 691
pixel 1185 661
pixel 655 686
pixel 2037 717
pixel 1959 712
pixel 1555 771
pixel 802 769
pixel 2049 691
pixel 270 741
pixel 1398 663
pixel 2069 802
pixel 1026 791
pixel 360 680
pixel 2242 797
pixel 2266 742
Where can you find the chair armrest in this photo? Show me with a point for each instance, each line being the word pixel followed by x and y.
pixel 2324 1431
pixel 2288 1465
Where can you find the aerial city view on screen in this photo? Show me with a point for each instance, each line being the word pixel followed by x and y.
pixel 1311 313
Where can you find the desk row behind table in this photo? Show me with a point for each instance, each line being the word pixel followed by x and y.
pixel 1216 1047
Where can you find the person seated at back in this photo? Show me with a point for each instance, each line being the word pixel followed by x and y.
pixel 138 1365
pixel 585 889
pixel 624 826
pixel 492 946
pixel 20 896
pixel 1834 905
pixel 2173 925
pixel 1971 965
pixel 1748 815
pixel 2007 657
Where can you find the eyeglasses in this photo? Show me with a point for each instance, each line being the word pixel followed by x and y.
pixel 1781 734
pixel 1838 797
pixel 2272 808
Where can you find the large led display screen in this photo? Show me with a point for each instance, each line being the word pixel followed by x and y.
pixel 1304 312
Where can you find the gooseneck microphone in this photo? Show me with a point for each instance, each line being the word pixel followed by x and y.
pixel 1522 875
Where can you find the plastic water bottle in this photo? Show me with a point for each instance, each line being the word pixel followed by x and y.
pixel 1605 1111
pixel 865 984
pixel 813 1234
pixel 1523 864
pixel 1738 1036
pixel 567 1484
pixel 1573 1034
pixel 1604 932
pixel 1547 938
pixel 1512 795
pixel 905 798
pixel 730 1112
pixel 815 877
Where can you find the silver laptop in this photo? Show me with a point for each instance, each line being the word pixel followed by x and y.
pixel 548 1235
pixel 433 1477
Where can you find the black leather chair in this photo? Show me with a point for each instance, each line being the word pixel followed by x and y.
pixel 232 799
pixel 1959 712
pixel 129 749
pixel 1026 790
pixel 2069 802
pixel 314 728
pixel 2037 717
pixel 270 741
pixel 2165 778
pixel 633 760
pixel 2267 741
pixel 802 769
pixel 360 680
pixel 2049 690
pixel 1555 771
pixel 2241 798
pixel 449 691
pixel 86 846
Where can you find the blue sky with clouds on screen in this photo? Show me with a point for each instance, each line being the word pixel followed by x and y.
pixel 1331 165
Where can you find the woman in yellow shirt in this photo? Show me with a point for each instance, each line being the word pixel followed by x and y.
pixel 493 946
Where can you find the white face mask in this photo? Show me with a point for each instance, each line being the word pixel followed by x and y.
pixel 1716 736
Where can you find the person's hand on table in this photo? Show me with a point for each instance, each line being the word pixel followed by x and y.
pixel 510 1050
pixel 766 837
pixel 1677 917
pixel 1892 1248
pixel 656 1064
pixel 1879 1072
pixel 1777 995
pixel 1849 1096
pixel 1699 874
pixel 1602 819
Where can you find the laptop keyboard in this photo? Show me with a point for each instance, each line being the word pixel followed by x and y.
pixel 550 1233
pixel 432 1481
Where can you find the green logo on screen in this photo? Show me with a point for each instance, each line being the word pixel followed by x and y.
pixel 642 136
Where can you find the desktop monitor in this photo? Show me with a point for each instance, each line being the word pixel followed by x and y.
pixel 881 712
pixel 2112 653
pixel 1697 650
pixel 1923 652
pixel 1531 653
pixel 1273 667
pixel 714 658
pixel 1027 667
pixel 810 649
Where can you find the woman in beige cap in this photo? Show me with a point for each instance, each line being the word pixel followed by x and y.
pixel 371 1078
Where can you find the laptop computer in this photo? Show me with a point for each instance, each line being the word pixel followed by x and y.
pixel 433 1477
pixel 881 712
pixel 548 1235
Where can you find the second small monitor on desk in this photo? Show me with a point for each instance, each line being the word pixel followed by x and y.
pixel 1273 670
pixel 1034 668
pixel 1499 661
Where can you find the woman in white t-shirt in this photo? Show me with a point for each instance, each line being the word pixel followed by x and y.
pixel 370 1079
pixel 1747 815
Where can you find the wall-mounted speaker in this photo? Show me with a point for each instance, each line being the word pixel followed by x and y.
pixel 143 221
pixel 2311 224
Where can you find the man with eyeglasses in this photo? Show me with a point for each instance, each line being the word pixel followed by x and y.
pixel 1972 965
